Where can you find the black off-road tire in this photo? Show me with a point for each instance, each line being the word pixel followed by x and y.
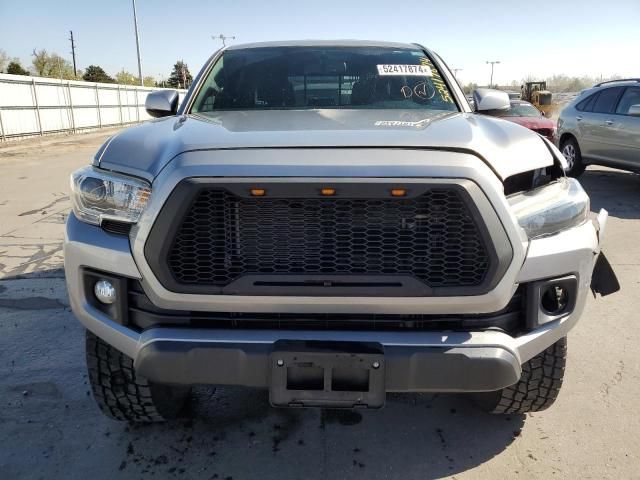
pixel 572 154
pixel 122 394
pixel 538 387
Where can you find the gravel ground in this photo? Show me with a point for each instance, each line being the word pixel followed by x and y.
pixel 51 428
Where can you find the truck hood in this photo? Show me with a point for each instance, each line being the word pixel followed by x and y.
pixel 145 149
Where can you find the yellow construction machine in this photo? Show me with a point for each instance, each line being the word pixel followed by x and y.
pixel 537 94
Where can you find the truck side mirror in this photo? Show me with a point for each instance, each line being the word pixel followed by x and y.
pixel 162 103
pixel 488 99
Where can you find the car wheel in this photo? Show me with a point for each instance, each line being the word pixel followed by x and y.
pixel 537 388
pixel 122 394
pixel 572 155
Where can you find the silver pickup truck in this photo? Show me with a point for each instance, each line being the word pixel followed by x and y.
pixel 329 221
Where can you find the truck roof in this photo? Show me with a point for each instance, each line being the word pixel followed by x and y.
pixel 323 43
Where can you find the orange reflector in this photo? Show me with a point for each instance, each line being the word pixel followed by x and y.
pixel 328 191
pixel 258 192
pixel 398 192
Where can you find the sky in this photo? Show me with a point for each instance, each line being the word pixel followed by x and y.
pixel 538 39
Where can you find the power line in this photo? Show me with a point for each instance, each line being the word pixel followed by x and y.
pixel 224 38
pixel 73 53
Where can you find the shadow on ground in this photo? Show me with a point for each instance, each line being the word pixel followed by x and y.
pixel 425 436
pixel 55 427
pixel 616 191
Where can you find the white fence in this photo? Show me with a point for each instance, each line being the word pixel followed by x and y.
pixel 36 106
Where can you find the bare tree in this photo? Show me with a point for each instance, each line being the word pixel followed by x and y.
pixel 40 61
pixel 4 60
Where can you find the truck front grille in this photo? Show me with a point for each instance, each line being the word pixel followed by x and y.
pixel 433 237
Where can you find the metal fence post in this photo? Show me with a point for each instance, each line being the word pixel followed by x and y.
pixel 137 106
pixel 98 107
pixel 73 118
pixel 35 102
pixel 4 138
pixel 120 105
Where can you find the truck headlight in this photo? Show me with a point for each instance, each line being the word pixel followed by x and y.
pixel 99 195
pixel 552 208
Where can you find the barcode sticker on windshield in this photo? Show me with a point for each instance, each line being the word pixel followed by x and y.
pixel 410 70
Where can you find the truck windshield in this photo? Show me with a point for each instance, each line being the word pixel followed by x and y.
pixel 279 78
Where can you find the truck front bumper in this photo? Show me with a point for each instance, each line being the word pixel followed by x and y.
pixel 420 361
pixel 442 361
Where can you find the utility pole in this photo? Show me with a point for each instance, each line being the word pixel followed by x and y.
pixel 73 53
pixel 224 39
pixel 492 64
pixel 135 23
pixel 455 71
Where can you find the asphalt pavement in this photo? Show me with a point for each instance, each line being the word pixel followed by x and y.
pixel 51 429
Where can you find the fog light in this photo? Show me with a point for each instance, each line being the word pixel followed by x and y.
pixel 555 299
pixel 105 291
pixel 549 300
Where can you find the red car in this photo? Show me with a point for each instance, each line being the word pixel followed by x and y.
pixel 525 114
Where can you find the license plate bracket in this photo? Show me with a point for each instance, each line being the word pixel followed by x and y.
pixel 327 374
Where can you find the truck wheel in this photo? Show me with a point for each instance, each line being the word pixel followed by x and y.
pixel 572 154
pixel 538 387
pixel 122 394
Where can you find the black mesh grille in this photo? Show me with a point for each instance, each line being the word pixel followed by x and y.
pixel 432 237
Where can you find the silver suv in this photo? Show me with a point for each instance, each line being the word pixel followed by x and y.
pixel 602 126
pixel 329 221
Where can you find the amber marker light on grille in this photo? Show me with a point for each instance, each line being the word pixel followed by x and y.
pixel 398 192
pixel 258 192
pixel 327 192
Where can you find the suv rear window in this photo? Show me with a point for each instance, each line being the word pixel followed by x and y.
pixel 586 105
pixel 267 78
pixel 606 101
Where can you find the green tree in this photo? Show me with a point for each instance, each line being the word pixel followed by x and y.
pixel 51 65
pixel 16 69
pixel 180 76
pixel 126 78
pixel 94 73
pixel 149 81
pixel 58 67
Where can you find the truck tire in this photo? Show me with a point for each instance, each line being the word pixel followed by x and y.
pixel 122 394
pixel 538 387
pixel 571 152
